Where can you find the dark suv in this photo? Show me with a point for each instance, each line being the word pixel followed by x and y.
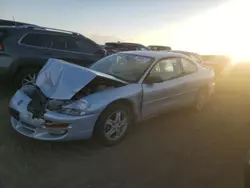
pixel 25 49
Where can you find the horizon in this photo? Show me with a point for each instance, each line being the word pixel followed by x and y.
pixel 207 27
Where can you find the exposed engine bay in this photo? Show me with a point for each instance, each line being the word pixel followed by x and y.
pixel 40 103
pixel 97 85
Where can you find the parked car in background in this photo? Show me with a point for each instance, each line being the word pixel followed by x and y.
pixel 194 56
pixel 71 102
pixel 114 47
pixel 159 48
pixel 25 49
pixel 102 46
pixel 218 62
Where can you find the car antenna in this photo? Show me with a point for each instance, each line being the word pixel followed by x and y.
pixel 14 20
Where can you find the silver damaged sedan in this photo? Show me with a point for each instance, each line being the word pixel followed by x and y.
pixel 69 102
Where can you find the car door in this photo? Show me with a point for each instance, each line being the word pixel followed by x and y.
pixel 162 96
pixel 191 80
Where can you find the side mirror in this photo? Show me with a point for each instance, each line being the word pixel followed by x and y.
pixel 152 79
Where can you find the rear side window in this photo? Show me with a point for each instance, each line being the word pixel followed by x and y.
pixel 74 44
pixel 84 45
pixel 58 42
pixel 167 69
pixel 195 58
pixel 188 66
pixel 61 42
pixel 35 39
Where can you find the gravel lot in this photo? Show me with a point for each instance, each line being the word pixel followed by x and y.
pixel 181 149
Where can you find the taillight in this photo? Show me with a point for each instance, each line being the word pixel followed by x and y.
pixel 1 47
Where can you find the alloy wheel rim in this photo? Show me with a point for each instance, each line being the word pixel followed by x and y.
pixel 29 79
pixel 116 125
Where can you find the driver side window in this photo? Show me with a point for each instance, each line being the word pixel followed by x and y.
pixel 166 69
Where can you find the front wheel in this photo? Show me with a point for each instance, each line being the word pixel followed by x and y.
pixel 113 124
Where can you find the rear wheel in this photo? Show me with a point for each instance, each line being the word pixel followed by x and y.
pixel 113 124
pixel 25 76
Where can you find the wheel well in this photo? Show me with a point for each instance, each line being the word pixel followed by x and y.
pixel 118 101
pixel 126 102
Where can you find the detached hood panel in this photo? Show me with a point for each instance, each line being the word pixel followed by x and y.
pixel 62 80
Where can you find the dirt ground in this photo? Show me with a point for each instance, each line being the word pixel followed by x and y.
pixel 178 150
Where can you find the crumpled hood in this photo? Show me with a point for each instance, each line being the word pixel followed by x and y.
pixel 62 80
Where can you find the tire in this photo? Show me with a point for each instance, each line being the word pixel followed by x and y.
pixel 201 99
pixel 22 74
pixel 103 126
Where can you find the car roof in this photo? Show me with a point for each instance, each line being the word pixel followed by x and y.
pixel 155 54
pixel 35 28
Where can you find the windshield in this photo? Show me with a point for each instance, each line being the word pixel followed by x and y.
pixel 127 67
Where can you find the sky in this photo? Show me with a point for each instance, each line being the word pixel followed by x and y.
pixel 203 26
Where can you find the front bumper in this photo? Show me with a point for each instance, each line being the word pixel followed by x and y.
pixel 79 127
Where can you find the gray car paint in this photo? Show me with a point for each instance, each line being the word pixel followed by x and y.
pixel 152 99
pixel 147 100
pixel 100 100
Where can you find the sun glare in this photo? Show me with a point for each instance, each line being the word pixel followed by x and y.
pixel 240 57
pixel 223 30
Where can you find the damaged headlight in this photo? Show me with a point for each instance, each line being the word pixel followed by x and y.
pixel 77 108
